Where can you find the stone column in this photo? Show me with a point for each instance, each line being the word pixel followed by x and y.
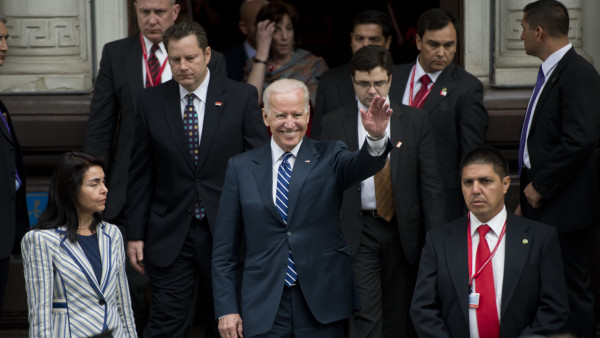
pixel 49 46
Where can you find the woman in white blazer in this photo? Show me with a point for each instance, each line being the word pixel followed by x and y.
pixel 75 263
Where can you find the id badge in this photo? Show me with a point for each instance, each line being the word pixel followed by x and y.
pixel 474 300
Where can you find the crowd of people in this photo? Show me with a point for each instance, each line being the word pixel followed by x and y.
pixel 293 200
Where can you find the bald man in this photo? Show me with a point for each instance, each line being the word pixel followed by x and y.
pixel 237 55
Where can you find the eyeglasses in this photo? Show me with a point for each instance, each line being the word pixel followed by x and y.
pixel 367 85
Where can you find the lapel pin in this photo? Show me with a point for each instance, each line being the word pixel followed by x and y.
pixel 525 241
pixel 218 103
pixel 307 161
pixel 399 144
pixel 444 92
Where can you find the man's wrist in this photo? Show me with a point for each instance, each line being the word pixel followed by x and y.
pixel 375 138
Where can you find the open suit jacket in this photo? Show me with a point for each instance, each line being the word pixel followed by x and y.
pixel 13 207
pixel 458 119
pixel 416 181
pixel 562 145
pixel 111 124
pixel 534 295
pixel 164 183
pixel 322 171
pixel 63 294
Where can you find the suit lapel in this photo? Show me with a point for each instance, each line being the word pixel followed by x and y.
pixel 456 254
pixel 263 172
pixel 550 83
pixel 516 252
pixel 216 100
pixel 306 160
pixel 397 129
pixel 79 258
pixel 133 66
pixel 3 130
pixel 444 84
pixel 105 246
pixel 171 108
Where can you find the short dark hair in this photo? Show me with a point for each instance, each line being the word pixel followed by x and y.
pixel 375 17
pixel 435 19
pixel 275 11
pixel 486 155
pixel 551 15
pixel 65 186
pixel 370 57
pixel 185 28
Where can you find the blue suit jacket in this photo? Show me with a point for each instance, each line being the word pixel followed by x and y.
pixel 322 171
pixel 63 294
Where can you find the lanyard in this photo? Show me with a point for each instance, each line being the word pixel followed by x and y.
pixel 148 74
pixel 472 275
pixel 412 86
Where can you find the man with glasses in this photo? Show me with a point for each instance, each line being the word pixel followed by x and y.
pixel 398 204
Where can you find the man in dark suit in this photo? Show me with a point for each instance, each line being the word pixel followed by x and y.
pixel 559 184
pixel 123 73
pixel 13 207
pixel 489 273
pixel 186 131
pixel 335 90
pixel 386 246
pixel 453 99
pixel 283 199
pixel 237 55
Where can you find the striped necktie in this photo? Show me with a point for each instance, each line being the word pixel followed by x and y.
pixel 284 174
pixel 153 67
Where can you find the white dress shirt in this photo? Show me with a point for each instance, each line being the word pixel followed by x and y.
pixel 199 101
pixel 492 236
pixel 547 67
pixel 419 71
pixel 161 55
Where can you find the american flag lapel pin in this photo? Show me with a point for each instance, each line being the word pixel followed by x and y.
pixel 307 161
pixel 399 144
pixel 218 103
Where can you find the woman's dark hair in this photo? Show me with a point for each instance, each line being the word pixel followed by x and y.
pixel 275 11
pixel 65 185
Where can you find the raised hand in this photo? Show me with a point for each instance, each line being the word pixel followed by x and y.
pixel 377 118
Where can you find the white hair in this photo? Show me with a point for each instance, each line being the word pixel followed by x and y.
pixel 285 86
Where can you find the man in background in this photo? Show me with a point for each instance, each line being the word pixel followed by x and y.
pixel 399 204
pixel 452 97
pixel 237 55
pixel 557 155
pixel 13 207
pixel 335 87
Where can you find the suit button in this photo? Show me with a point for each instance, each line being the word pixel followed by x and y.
pixel 101 301
pixel 289 234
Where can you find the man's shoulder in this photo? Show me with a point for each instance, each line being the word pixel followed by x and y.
pixel 339 114
pixel 529 225
pixel 339 73
pixel 121 44
pixel 459 74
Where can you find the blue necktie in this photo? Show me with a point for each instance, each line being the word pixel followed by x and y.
pixel 190 126
pixel 536 91
pixel 284 174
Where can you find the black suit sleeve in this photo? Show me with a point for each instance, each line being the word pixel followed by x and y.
pixel 425 309
pixel 472 118
pixel 104 112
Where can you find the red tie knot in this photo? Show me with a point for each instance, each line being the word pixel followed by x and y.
pixel 425 80
pixel 154 48
pixel 483 230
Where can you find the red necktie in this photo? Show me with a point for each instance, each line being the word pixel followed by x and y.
pixel 487 313
pixel 419 99
pixel 153 67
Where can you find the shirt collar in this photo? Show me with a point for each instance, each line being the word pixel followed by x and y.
pixel 495 223
pixel 420 72
pixel 149 44
pixel 200 92
pixel 554 58
pixel 277 152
